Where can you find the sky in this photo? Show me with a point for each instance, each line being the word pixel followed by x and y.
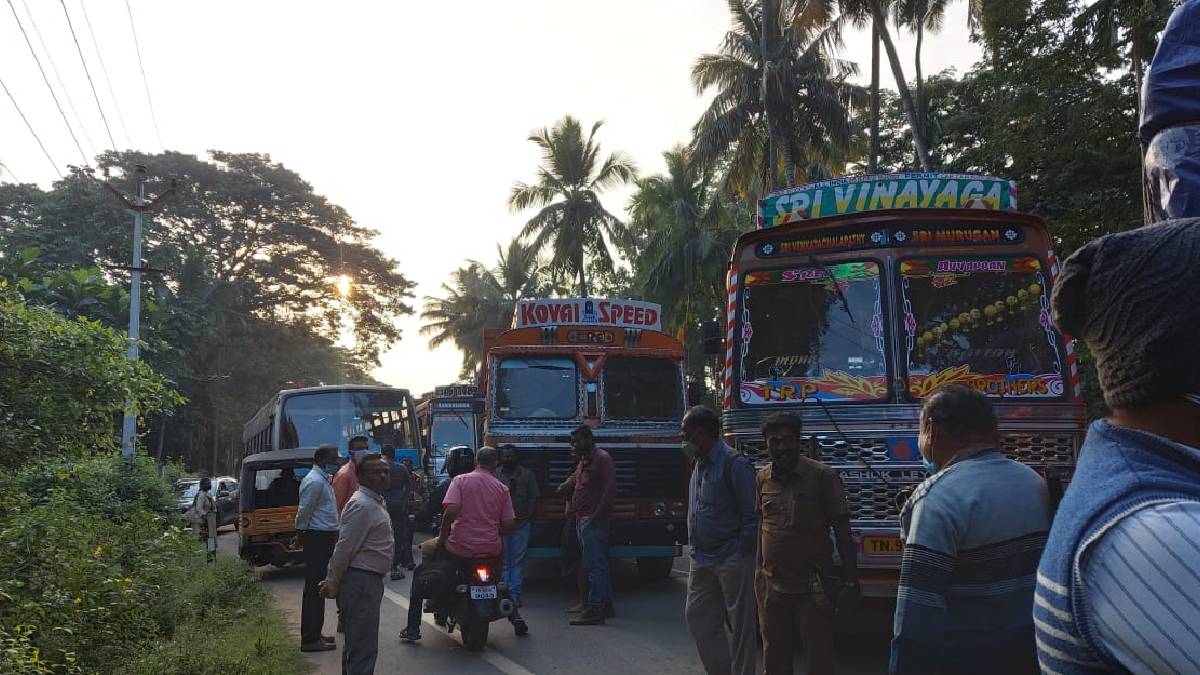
pixel 413 116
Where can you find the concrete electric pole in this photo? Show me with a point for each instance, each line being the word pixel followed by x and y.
pixel 138 205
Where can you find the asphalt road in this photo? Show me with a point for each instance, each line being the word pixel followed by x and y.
pixel 647 637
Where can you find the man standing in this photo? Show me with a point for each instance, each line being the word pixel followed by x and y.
pixel 974 531
pixel 800 501
pixel 477 513
pixel 723 528
pixel 523 489
pixel 345 482
pixel 362 556
pixel 595 492
pixel 317 523
pixel 397 496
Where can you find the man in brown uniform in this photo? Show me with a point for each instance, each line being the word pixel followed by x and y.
pixel 799 501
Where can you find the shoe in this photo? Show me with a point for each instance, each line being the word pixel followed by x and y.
pixel 317 646
pixel 577 609
pixel 520 627
pixel 589 617
pixel 329 638
pixel 409 635
pixel 410 566
pixel 397 573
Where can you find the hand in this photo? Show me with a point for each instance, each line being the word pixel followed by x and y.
pixel 328 589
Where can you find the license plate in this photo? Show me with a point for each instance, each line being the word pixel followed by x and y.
pixel 483 592
pixel 883 545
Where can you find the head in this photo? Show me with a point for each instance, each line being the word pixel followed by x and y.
pixel 582 441
pixel 407 462
pixel 782 435
pixel 389 452
pixel 509 458
pixel 205 484
pixel 287 473
pixel 327 458
pixel 359 445
pixel 487 458
pixel 701 430
pixel 459 460
pixel 955 418
pixel 374 472
pixel 1130 296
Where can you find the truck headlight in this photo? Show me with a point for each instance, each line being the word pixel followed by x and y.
pixel 659 509
pixel 678 509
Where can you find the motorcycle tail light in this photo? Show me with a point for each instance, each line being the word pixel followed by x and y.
pixel 483 574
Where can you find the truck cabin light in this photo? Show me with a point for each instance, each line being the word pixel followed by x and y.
pixel 483 574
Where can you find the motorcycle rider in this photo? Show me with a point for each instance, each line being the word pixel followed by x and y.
pixel 478 512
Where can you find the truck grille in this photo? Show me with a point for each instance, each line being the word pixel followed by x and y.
pixel 641 472
pixel 837 451
pixel 1040 448
pixel 874 501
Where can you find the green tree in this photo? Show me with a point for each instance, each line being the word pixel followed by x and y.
pixel 1130 25
pixel 803 102
pixel 478 298
pixel 570 220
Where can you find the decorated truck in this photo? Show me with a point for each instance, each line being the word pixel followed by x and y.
pixel 607 364
pixel 856 298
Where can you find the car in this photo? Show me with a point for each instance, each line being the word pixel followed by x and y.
pixel 225 492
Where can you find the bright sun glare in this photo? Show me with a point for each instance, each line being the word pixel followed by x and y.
pixel 343 285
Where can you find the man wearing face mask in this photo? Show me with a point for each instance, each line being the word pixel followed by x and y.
pixel 317 522
pixel 800 502
pixel 523 489
pixel 974 531
pixel 723 529
pixel 345 482
pixel 1119 584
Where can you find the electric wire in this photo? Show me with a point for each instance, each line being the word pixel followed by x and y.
pixel 87 139
pixel 46 79
pixel 4 167
pixel 30 127
pixel 145 82
pixel 92 84
pixel 104 71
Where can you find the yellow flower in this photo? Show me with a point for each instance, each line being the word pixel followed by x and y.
pixel 78 600
pixel 98 551
pixel 128 581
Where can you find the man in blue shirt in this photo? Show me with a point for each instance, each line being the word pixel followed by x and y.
pixel 723 529
pixel 317 522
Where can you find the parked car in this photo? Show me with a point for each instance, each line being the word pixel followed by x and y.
pixel 225 492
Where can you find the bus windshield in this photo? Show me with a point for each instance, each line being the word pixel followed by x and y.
pixel 983 322
pixel 451 429
pixel 336 416
pixel 814 331
pixel 537 386
pixel 642 388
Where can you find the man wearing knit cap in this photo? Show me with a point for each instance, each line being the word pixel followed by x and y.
pixel 1119 583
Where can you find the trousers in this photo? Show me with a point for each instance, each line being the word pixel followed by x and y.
pixel 359 596
pixel 593 539
pixel 516 545
pixel 401 536
pixel 784 617
pixel 318 547
pixel 716 593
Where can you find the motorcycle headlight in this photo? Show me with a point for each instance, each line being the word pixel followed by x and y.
pixel 659 509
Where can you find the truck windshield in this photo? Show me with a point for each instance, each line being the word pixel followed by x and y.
pixel 537 386
pixel 802 338
pixel 451 429
pixel 983 322
pixel 337 416
pixel 642 388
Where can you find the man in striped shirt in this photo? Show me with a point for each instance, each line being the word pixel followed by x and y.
pixel 974 531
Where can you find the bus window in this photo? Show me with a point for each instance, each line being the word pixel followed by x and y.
pixel 983 322
pixel 537 386
pixel 642 388
pixel 336 416
pixel 801 337
pixel 451 429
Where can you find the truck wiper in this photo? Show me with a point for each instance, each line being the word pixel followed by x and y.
pixel 812 262
pixel 858 455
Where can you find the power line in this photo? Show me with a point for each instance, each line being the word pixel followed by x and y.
pixel 47 81
pixel 145 82
pixel 92 84
pixel 5 167
pixel 30 127
pixel 58 78
pixel 104 71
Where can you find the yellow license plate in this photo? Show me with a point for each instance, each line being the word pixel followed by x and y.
pixel 883 545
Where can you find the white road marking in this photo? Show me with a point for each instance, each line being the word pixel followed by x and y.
pixel 501 662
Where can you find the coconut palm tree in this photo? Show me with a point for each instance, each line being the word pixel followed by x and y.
pixel 478 298
pixel 571 221
pixel 920 16
pixel 802 103
pixel 1133 24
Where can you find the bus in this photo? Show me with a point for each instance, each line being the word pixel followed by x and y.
pixel 449 416
pixel 607 364
pixel 310 416
pixel 856 298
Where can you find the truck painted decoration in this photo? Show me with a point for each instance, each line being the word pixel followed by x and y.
pixel 886 237
pixel 980 321
pixel 584 311
pixel 787 357
pixel 859 194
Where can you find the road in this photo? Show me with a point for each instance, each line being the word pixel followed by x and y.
pixel 648 637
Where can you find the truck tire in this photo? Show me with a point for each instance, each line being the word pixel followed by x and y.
pixel 474 635
pixel 655 569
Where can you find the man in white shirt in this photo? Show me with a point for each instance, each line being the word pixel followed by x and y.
pixel 317 523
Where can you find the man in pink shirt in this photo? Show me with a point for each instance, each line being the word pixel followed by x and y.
pixel 345 481
pixel 477 513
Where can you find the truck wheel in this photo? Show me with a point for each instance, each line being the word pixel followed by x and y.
pixel 655 569
pixel 474 635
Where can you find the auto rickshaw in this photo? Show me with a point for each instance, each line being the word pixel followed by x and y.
pixel 269 500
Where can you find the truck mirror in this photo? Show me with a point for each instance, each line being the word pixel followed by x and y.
pixel 714 342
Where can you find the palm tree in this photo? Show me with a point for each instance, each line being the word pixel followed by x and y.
pixel 478 298
pixel 571 220
pixel 1112 24
pixel 801 104
pixel 919 16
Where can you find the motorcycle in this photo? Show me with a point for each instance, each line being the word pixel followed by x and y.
pixel 479 598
